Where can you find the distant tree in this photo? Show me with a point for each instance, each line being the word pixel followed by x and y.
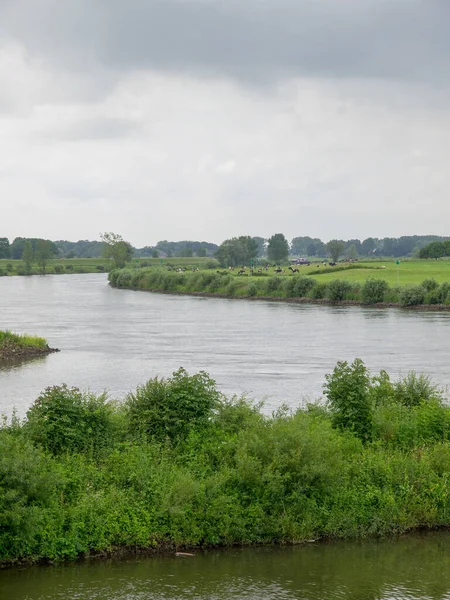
pixel 5 251
pixel 43 253
pixel 169 253
pixel 368 246
pixel 155 253
pixel 28 256
pixel 260 246
pixel 237 251
pixel 186 252
pixel 278 248
pixel 201 252
pixel 352 252
pixel 116 248
pixel 335 249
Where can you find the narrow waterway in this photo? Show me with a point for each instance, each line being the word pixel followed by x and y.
pixel 115 339
pixel 415 567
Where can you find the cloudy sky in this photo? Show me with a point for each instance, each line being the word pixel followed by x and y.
pixel 206 119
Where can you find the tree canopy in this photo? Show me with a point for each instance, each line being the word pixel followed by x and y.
pixel 116 248
pixel 277 248
pixel 237 251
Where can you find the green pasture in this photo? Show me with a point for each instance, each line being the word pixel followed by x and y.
pixel 409 272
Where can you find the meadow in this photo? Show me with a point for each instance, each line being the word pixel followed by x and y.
pixel 420 283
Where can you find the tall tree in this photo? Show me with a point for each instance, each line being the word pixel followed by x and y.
pixel 28 256
pixel 43 253
pixel 237 251
pixel 335 249
pixel 278 248
pixel 116 248
pixel 5 251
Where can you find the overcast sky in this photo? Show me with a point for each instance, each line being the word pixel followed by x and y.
pixel 207 119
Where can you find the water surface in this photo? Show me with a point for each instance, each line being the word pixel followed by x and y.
pixel 115 339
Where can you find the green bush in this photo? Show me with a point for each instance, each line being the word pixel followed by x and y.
pixel 69 268
pixel 337 289
pixel 9 267
pixel 170 408
pixel 348 392
pixel 412 295
pixel 299 287
pixel 429 285
pixel 58 269
pixel 64 419
pixel 100 268
pixel 373 291
pixel 273 284
pixel 414 389
pixel 252 289
pixel 319 291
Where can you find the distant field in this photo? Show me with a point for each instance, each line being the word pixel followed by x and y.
pixel 409 272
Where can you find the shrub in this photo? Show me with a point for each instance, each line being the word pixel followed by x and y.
pixel 58 269
pixel 100 268
pixel 212 264
pixel 273 284
pixel 429 284
pixel 69 268
pixel 414 388
pixel 373 291
pixel 9 267
pixel 337 289
pixel 412 295
pixel 303 286
pixel 3 273
pixel 232 287
pixel 64 419
pixel 21 271
pixel 124 278
pixel 171 408
pixel 319 291
pixel 252 289
pixel 348 392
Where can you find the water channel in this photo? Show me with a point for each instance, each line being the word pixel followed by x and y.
pixel 115 339
pixel 409 568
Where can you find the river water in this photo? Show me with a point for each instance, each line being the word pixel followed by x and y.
pixel 115 339
pixel 410 568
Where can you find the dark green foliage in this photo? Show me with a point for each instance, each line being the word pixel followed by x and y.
pixel 429 284
pixel 277 248
pixel 65 419
pixel 272 284
pixel 373 291
pixel 171 408
pixel 58 268
pixel 299 287
pixel 337 289
pixel 252 289
pixel 414 389
pixel 348 392
pixel 413 295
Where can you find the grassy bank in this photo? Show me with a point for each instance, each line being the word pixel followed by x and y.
pixel 175 465
pixel 68 266
pixel 13 345
pixel 338 287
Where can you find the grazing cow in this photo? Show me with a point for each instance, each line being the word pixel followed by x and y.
pixel 241 272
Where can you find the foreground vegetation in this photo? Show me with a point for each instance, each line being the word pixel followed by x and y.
pixel 13 345
pixel 175 464
pixel 358 283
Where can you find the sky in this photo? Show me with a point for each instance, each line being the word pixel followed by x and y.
pixel 208 119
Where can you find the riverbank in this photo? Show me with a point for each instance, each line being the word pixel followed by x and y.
pixel 14 346
pixel 175 465
pixel 429 295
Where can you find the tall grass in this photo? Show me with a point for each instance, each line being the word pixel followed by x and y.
pixel 9 338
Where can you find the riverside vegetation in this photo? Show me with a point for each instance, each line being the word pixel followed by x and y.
pixel 312 287
pixel 177 465
pixel 13 345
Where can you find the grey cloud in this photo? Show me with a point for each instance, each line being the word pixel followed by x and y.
pixel 249 39
pixel 95 129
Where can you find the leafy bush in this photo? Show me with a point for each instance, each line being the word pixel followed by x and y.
pixel 58 269
pixel 124 278
pixel 170 408
pixel 64 419
pixel 414 389
pixel 252 289
pixel 348 392
pixel 232 287
pixel 100 268
pixel 319 291
pixel 273 284
pixel 373 291
pixel 69 268
pixel 412 295
pixel 337 289
pixel 429 284
pixel 299 287
pixel 21 271
pixel 9 267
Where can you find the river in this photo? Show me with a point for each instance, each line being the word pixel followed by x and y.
pixel 115 339
pixel 409 568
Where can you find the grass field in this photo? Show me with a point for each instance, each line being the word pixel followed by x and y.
pixel 409 272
